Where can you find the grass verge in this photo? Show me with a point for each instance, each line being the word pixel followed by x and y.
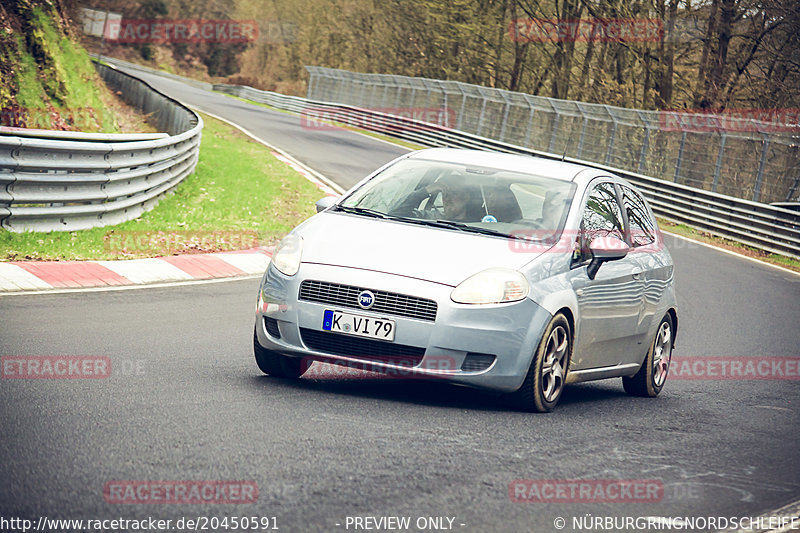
pixel 727 244
pixel 239 196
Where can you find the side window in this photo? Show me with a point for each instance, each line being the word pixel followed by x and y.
pixel 642 228
pixel 601 217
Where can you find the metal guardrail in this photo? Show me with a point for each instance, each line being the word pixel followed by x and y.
pixel 770 228
pixel 63 181
pixel 133 66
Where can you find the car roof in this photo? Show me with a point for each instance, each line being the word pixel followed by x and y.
pixel 540 166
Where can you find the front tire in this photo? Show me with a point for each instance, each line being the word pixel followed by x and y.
pixel 275 364
pixel 547 374
pixel 650 378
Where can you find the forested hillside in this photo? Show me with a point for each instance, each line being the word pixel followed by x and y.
pixel 47 80
pixel 713 54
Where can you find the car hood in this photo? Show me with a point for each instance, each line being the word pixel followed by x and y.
pixel 432 254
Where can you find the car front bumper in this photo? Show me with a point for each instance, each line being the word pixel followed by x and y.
pixel 509 332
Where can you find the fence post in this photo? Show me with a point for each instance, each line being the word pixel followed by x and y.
pixel 579 152
pixel 309 91
pixel 383 98
pixel 483 111
pixel 761 164
pixel 505 115
pixel 530 122
pixel 612 139
pixel 463 103
pixel 397 98
pixel 556 122
pixel 680 157
pixel 793 189
pixel 718 166
pixel 444 105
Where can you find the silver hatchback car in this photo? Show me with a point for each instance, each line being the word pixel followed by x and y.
pixel 503 272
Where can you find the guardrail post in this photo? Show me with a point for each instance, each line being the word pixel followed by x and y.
pixel 718 166
pixel 761 164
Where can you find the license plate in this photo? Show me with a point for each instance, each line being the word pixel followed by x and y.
pixel 360 325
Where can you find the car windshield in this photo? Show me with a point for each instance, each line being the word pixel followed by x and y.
pixel 466 198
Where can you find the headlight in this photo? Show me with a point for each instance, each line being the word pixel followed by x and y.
pixel 286 257
pixel 491 286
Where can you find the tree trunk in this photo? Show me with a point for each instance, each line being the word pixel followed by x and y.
pixel 702 81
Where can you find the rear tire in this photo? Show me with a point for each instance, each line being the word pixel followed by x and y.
pixel 650 378
pixel 547 374
pixel 275 364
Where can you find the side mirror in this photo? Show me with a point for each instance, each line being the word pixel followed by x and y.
pixel 324 203
pixel 605 249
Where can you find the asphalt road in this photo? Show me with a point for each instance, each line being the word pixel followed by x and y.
pixel 186 402
pixel 343 156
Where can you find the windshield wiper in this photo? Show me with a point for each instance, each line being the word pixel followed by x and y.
pixel 446 224
pixel 473 229
pixel 361 211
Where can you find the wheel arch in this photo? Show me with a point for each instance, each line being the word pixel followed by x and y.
pixel 673 314
pixel 567 312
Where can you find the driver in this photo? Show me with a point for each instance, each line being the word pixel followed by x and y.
pixel 455 200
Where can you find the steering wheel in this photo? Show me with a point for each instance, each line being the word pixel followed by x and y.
pixel 427 207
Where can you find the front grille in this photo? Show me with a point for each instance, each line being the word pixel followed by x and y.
pixel 272 327
pixel 477 362
pixel 349 346
pixel 389 303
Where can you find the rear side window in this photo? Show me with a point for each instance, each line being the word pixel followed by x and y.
pixel 643 230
